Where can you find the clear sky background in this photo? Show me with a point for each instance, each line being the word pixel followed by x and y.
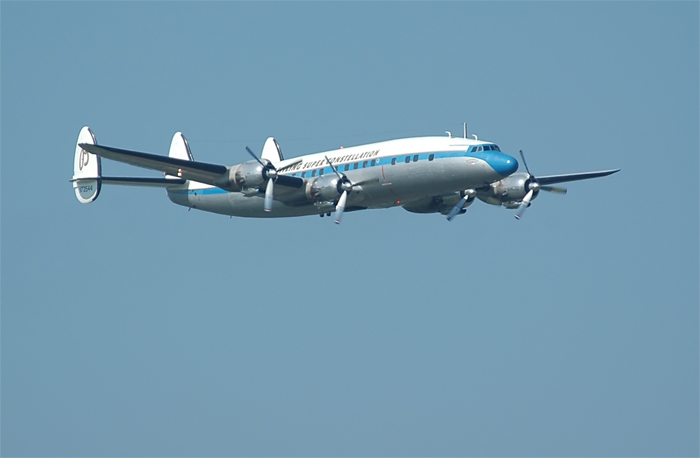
pixel 132 327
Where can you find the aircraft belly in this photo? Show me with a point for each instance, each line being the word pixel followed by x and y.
pixel 252 207
pixel 179 197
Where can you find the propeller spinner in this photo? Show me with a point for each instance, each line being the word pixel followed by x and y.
pixel 271 174
pixel 346 185
pixel 533 187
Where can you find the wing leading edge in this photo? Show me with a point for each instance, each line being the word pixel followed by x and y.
pixel 553 179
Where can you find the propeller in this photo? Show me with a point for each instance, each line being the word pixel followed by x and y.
pixel 469 195
pixel 271 174
pixel 533 187
pixel 346 185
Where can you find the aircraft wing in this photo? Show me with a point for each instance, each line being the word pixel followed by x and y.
pixel 202 172
pixel 553 179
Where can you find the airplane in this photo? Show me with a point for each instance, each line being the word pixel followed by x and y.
pixel 439 174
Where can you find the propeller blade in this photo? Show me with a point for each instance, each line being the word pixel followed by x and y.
pixel 524 204
pixel 553 189
pixel 292 182
pixel 340 208
pixel 291 164
pixel 522 155
pixel 269 196
pixel 457 208
pixel 371 180
pixel 254 156
pixel 333 167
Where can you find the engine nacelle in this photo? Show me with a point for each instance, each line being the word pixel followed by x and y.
pixel 509 191
pixel 248 175
pixel 325 188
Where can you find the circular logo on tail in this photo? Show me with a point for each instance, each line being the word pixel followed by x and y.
pixel 83 159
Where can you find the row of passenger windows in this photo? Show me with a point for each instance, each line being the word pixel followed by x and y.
pixel 407 159
pixel 342 168
pixel 374 162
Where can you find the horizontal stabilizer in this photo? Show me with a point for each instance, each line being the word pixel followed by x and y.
pixel 552 179
pixel 189 170
pixel 150 182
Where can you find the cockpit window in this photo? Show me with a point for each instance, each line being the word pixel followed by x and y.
pixel 476 148
pixel 484 148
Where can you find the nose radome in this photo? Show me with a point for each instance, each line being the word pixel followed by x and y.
pixel 504 165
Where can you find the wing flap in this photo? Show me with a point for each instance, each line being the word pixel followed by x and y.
pixel 202 172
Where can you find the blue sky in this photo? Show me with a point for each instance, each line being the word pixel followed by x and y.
pixel 131 327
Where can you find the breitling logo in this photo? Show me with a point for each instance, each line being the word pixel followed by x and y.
pixel 335 160
pixel 84 159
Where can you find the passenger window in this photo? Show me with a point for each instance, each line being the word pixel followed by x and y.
pixel 347 167
pixel 393 161
pixel 415 158
pixel 408 159
pixel 373 163
pixel 431 157
pixel 320 172
pixel 364 165
pixel 313 173
pixel 303 174
pixel 354 166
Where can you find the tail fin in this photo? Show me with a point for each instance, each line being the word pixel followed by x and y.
pixel 179 148
pixel 87 169
pixel 272 151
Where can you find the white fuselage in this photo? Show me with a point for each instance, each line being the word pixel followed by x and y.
pixel 391 173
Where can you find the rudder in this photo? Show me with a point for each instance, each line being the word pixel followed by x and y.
pixel 87 169
pixel 180 148
pixel 272 151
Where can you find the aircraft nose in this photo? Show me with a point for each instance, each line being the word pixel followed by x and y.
pixel 503 164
